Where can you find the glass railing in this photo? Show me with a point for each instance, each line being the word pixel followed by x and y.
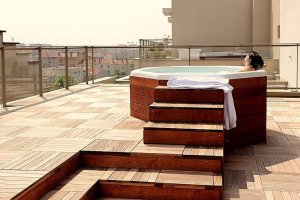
pixel 28 71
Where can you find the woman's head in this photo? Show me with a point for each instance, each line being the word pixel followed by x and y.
pixel 254 60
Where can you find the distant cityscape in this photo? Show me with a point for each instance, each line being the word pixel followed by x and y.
pixel 107 62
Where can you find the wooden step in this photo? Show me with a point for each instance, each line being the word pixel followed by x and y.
pixel 134 183
pixel 107 198
pixel 60 167
pixel 83 184
pixel 121 153
pixel 188 95
pixel 186 134
pixel 160 184
pixel 190 113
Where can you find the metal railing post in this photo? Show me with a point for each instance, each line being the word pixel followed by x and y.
pixel 93 78
pixel 140 57
pixel 189 56
pixel 67 67
pixel 297 68
pixel 40 71
pixel 3 77
pixel 86 66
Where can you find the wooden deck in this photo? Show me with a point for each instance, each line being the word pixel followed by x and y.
pixel 38 134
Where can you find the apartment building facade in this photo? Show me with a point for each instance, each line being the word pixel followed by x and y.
pixel 236 22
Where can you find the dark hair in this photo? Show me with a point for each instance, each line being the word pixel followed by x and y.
pixel 256 60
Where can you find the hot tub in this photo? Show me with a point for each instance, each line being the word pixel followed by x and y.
pixel 249 96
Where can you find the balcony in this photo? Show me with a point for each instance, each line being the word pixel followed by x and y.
pixel 81 142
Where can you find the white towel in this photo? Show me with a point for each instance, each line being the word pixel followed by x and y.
pixel 229 109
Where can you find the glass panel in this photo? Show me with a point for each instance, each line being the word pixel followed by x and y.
pixel 21 68
pixel 54 67
pixel 110 62
pixel 1 100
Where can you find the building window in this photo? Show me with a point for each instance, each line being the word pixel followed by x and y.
pixel 278 31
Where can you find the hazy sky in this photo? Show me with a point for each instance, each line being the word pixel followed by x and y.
pixel 83 22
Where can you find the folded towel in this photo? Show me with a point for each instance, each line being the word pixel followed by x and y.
pixel 208 83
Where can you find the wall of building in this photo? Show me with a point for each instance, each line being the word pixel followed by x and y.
pixel 261 27
pixel 275 27
pixel 233 22
pixel 289 33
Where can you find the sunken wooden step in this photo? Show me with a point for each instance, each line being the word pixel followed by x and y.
pixel 134 183
pixel 188 95
pixel 136 154
pixel 83 184
pixel 160 184
pixel 190 113
pixel 186 134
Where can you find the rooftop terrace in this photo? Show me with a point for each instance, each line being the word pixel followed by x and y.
pixel 41 135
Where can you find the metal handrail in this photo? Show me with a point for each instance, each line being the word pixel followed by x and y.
pixel 172 46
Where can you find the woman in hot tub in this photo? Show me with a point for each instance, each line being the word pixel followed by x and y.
pixel 253 61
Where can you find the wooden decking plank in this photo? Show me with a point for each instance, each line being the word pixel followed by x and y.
pixel 138 175
pixel 190 106
pixel 295 195
pixel 190 178
pixel 242 179
pixel 153 176
pixel 218 180
pixel 56 162
pixel 50 157
pixel 145 176
pixel 85 133
pixel 69 196
pixel 249 180
pixel 130 174
pixel 185 126
pixel 121 174
pixel 56 195
pixel 107 174
pixel 44 157
pixel 78 196
pixel 257 180
pixel 103 145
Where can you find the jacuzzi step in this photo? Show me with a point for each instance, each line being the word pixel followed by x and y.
pixel 182 133
pixel 127 154
pixel 135 183
pixel 190 113
pixel 188 95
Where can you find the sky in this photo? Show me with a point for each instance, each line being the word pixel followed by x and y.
pixel 83 22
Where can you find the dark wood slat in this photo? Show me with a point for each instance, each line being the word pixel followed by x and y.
pixel 186 115
pixel 141 90
pixel 138 115
pixel 141 99
pixel 248 82
pixel 140 108
pixel 186 106
pixel 152 161
pixel 165 94
pixel 184 137
pixel 148 191
pixel 146 82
